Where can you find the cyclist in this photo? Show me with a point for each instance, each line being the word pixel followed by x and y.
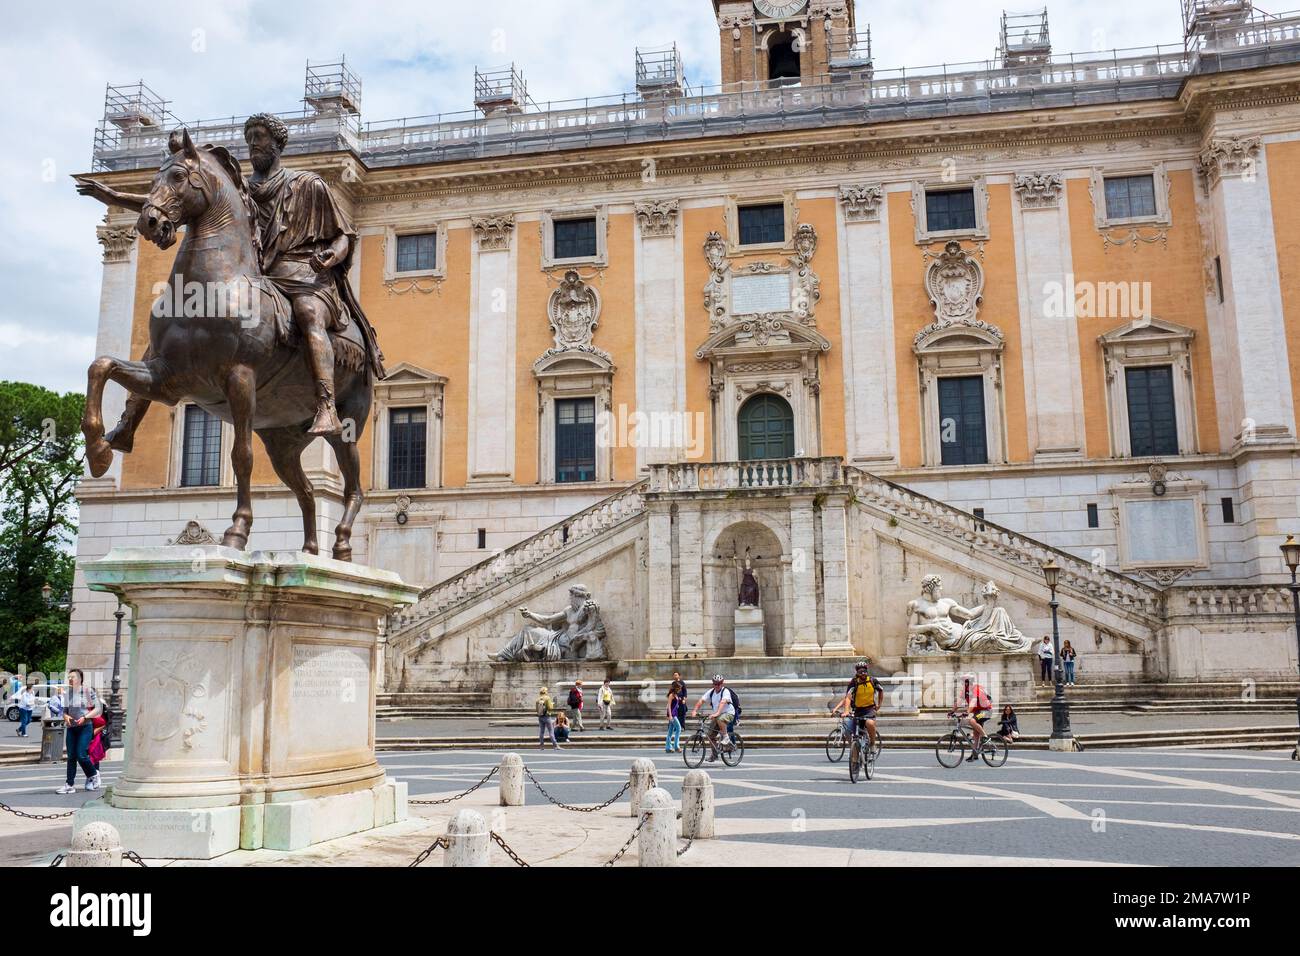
pixel 861 699
pixel 977 707
pixel 724 712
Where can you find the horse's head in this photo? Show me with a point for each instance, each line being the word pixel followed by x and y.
pixel 181 192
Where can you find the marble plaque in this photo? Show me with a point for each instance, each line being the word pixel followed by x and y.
pixel 1162 531
pixel 330 692
pixel 760 293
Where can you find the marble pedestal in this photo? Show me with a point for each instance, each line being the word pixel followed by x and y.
pixel 749 632
pixel 251 700
pixel 515 683
pixel 1007 678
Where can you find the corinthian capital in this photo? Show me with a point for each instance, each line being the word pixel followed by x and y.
pixel 117 241
pixel 493 233
pixel 657 217
pixel 1223 158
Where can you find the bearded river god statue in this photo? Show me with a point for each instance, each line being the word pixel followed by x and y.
pixel 258 324
pixel 938 623
pixel 576 633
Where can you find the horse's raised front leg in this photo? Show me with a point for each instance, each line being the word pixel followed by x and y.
pixel 349 458
pixel 241 388
pixel 284 447
pixel 144 379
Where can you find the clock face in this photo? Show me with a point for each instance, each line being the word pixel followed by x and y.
pixel 779 9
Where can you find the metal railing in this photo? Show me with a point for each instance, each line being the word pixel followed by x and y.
pixel 947 89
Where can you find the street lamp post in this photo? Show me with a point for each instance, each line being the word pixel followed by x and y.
pixel 1291 555
pixel 1062 736
pixel 115 698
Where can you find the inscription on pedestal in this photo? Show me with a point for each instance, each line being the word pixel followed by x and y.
pixel 330 692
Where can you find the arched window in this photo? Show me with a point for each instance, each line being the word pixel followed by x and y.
pixel 765 428
pixel 783 57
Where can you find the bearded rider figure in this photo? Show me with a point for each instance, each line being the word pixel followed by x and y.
pixel 307 244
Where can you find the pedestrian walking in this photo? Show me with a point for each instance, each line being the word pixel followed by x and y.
pixel 546 720
pixel 1068 656
pixel 80 706
pixel 1045 656
pixel 606 701
pixel 26 702
pixel 575 705
pixel 673 742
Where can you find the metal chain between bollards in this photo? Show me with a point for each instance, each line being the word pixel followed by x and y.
pixel 628 845
pixel 35 816
pixel 440 843
pixel 566 806
pixel 134 858
pixel 496 838
pixel 430 803
pixel 682 849
pixel 58 859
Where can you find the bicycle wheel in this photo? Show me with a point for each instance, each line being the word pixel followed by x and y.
pixel 696 751
pixel 950 750
pixel 835 745
pixel 994 752
pixel 735 752
pixel 855 760
pixel 877 746
pixel 869 765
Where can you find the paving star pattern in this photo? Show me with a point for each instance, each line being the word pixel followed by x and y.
pixel 793 807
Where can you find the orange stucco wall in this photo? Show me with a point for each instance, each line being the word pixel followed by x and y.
pixel 1283 161
pixel 1174 269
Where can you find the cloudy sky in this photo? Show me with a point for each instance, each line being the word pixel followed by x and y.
pixel 414 57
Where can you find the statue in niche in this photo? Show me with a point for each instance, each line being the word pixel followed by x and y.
pixel 747 593
pixel 576 633
pixel 937 623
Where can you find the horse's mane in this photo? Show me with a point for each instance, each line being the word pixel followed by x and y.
pixel 230 166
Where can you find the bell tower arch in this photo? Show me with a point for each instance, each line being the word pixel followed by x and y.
pixel 781 42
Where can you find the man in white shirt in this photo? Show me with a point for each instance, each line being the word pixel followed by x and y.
pixel 1045 655
pixel 724 711
pixel 26 701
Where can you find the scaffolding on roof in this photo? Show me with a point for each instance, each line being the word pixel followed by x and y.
pixel 1024 39
pixel 660 72
pixel 332 87
pixel 849 50
pixel 500 90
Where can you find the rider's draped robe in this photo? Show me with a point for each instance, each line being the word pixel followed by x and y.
pixel 297 217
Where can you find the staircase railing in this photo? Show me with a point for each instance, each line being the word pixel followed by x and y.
pixel 1228 600
pixel 522 556
pixel 980 534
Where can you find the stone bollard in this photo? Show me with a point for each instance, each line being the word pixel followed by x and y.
pixel 96 844
pixel 468 840
pixel 511 777
pixel 642 779
pixel 656 844
pixel 697 806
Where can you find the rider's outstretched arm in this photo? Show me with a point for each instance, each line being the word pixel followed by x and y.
pixel 111 197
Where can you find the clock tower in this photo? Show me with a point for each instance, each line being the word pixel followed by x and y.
pixel 767 42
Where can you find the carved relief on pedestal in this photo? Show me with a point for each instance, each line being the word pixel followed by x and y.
pixel 117 242
pixel 861 202
pixel 1222 158
pixel 1039 190
pixel 493 232
pixel 657 217
pixel 193 533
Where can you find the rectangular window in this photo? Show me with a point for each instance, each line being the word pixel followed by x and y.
pixel 200 449
pixel 482 538
pixel 574 238
pixel 575 439
pixel 1229 515
pixel 962 436
pixel 417 253
pixel 948 210
pixel 762 224
pixel 1094 520
pixel 407 430
pixel 1152 426
pixel 1130 197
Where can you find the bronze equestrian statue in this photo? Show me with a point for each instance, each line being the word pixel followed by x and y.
pixel 258 324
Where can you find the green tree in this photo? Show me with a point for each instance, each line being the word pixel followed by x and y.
pixel 40 463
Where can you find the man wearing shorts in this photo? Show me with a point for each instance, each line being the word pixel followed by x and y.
pixel 724 712
pixel 862 700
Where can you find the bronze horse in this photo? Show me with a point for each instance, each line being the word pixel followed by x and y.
pixel 227 348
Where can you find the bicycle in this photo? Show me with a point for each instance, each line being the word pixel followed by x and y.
pixel 862 759
pixel 836 741
pixel 699 747
pixel 950 749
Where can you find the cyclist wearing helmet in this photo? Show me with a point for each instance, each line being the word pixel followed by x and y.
pixel 724 712
pixel 861 699
pixel 974 707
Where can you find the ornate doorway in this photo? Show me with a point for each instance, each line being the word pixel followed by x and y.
pixel 765 428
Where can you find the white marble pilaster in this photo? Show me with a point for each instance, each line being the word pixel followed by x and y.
pixel 835 579
pixel 116 313
pixel 492 352
pixel 660 334
pixel 802 640
pixel 690 583
pixel 659 637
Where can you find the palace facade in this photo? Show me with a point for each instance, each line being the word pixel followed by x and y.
pixel 864 325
